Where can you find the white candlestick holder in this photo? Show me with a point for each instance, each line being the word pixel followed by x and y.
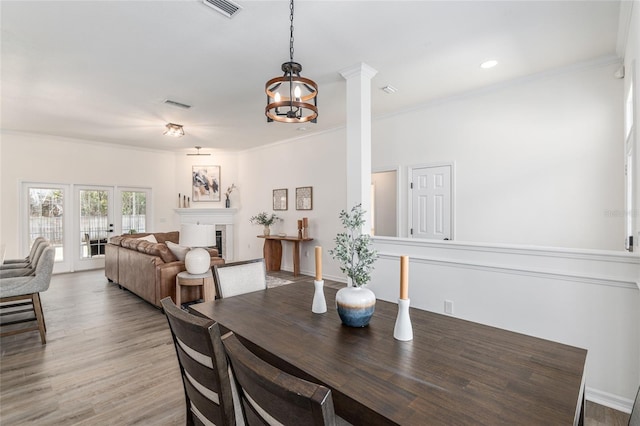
pixel 403 330
pixel 319 305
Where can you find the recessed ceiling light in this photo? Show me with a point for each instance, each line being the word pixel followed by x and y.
pixel 488 64
pixel 302 129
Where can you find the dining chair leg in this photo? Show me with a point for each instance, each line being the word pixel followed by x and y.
pixel 37 309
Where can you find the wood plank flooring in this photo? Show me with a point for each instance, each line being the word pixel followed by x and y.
pixel 109 360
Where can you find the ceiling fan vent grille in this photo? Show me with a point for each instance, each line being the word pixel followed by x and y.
pixel 226 7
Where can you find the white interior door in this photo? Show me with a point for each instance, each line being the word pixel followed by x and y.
pixel 431 202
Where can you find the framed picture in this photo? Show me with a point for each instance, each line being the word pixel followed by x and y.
pixel 280 199
pixel 205 181
pixel 304 198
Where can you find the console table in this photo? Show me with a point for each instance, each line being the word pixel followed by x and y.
pixel 273 252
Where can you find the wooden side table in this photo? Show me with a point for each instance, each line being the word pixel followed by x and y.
pixel 272 251
pixel 205 280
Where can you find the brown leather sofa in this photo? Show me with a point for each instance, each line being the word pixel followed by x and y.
pixel 149 269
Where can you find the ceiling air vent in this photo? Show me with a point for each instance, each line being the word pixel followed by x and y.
pixel 176 104
pixel 226 7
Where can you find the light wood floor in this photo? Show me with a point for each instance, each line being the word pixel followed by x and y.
pixel 109 360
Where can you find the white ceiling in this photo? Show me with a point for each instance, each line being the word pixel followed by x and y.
pixel 100 70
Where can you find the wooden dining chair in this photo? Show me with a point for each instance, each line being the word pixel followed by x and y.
pixel 203 366
pixel 634 420
pixel 270 396
pixel 234 278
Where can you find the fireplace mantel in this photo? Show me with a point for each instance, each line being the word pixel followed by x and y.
pixel 219 217
pixel 207 216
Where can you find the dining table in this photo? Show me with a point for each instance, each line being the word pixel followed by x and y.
pixel 453 371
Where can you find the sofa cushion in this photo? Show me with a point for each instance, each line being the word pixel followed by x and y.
pixel 156 249
pixel 151 238
pixel 131 243
pixel 178 251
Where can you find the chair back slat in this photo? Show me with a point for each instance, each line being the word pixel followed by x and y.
pixel 270 396
pixel 234 278
pixel 203 366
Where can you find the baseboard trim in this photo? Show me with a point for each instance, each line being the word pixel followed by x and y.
pixel 609 400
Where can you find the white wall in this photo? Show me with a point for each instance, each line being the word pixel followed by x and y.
pixel 316 161
pixel 537 162
pixel 38 158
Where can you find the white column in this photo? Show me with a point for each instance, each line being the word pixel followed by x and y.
pixel 359 137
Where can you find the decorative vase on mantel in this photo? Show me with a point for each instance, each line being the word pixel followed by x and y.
pixel 227 203
pixel 355 305
pixel 267 231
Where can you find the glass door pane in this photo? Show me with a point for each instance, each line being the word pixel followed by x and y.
pixel 46 217
pixel 133 211
pixel 94 225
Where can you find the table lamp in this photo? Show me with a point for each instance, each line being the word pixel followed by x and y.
pixel 195 236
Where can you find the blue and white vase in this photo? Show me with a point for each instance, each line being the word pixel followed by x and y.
pixel 355 305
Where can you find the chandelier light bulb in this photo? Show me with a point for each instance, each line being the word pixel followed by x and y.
pixel 297 93
pixel 277 97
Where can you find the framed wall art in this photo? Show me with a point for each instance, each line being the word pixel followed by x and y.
pixel 205 181
pixel 304 198
pixel 280 199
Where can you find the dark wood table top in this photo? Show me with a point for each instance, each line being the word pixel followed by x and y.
pixel 453 372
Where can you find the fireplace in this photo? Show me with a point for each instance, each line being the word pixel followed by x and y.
pixel 221 218
pixel 219 243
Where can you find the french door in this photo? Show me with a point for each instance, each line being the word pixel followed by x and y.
pixel 45 212
pixel 94 208
pixel 78 220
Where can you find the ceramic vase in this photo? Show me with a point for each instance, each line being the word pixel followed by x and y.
pixel 267 231
pixel 355 305
pixel 227 203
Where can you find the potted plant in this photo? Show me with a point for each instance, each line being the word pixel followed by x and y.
pixel 353 250
pixel 265 220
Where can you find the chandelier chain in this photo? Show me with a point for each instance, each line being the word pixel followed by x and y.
pixel 291 32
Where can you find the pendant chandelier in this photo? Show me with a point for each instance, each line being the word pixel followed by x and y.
pixel 289 97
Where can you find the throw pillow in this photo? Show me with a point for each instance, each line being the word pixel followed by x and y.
pixel 179 251
pixel 151 238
